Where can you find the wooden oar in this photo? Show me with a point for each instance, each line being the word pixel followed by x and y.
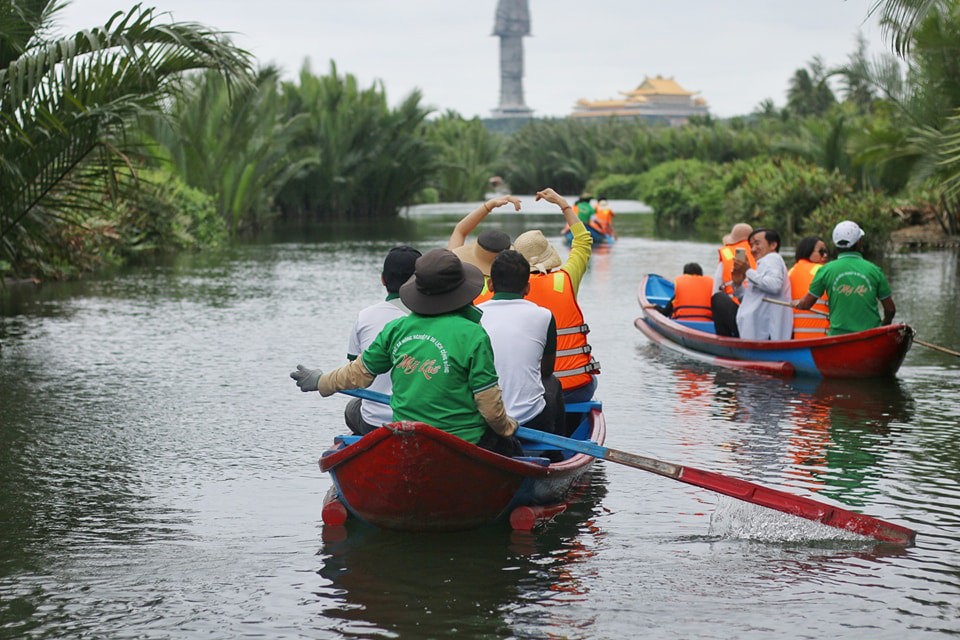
pixel 922 343
pixel 733 487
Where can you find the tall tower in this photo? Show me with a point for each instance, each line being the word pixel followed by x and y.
pixel 512 23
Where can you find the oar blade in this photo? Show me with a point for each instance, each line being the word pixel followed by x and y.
pixel 799 506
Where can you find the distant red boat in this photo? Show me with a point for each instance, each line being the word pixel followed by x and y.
pixel 411 476
pixel 866 354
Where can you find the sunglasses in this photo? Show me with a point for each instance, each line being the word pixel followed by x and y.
pixel 822 252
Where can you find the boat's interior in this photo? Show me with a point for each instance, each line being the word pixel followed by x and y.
pixel 660 292
pixel 578 427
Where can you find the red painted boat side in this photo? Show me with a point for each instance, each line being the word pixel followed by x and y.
pixel 411 476
pixel 865 354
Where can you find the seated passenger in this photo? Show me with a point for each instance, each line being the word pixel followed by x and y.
pixel 811 255
pixel 439 359
pixel 481 252
pixel 363 416
pixel 691 296
pixel 524 339
pixel 756 318
pixel 554 285
pixel 724 301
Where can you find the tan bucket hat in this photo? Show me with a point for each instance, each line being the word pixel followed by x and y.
pixel 538 251
pixel 740 231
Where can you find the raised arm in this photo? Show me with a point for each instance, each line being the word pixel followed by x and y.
pixel 470 221
pixel 569 214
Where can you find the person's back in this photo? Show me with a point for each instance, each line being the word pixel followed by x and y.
pixel 691 295
pixel 362 416
pixel 554 285
pixel 439 357
pixel 434 370
pixel 853 284
pixel 524 339
pixel 604 217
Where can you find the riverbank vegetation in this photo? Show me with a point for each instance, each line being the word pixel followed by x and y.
pixel 145 135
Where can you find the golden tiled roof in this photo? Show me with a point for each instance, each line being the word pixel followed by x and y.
pixel 658 86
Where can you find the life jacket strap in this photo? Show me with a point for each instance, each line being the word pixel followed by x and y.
pixel 583 328
pixel 575 351
pixel 590 367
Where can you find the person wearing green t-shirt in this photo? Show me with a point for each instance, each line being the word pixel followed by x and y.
pixel 853 285
pixel 439 357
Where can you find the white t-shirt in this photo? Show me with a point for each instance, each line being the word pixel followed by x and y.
pixel 759 320
pixel 518 333
pixel 368 324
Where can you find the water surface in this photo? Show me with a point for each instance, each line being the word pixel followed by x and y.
pixel 159 469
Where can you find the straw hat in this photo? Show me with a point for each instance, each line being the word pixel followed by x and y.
pixel 482 252
pixel 441 283
pixel 740 231
pixel 538 251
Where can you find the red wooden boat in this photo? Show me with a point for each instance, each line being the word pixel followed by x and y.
pixel 866 354
pixel 411 476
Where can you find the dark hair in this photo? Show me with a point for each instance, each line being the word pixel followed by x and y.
pixel 805 247
pixel 692 269
pixel 398 266
pixel 769 235
pixel 493 240
pixel 510 272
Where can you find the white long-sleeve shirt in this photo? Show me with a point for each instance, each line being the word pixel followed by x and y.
pixel 759 320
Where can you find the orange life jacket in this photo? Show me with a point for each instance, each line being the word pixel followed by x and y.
pixel 605 220
pixel 807 323
pixel 727 253
pixel 486 293
pixel 554 291
pixel 691 297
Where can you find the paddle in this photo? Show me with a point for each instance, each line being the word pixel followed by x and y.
pixel 735 488
pixel 928 345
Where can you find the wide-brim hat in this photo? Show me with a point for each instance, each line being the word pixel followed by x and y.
pixel 441 283
pixel 538 251
pixel 739 231
pixel 482 252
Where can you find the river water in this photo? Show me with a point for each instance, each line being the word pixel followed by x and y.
pixel 159 469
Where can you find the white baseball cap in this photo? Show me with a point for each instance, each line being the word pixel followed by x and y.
pixel 846 234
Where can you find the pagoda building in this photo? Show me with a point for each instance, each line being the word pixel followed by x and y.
pixel 656 99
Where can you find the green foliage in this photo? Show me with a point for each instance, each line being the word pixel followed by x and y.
pixel 640 148
pixel 365 159
pixel 562 154
pixel 233 143
pixel 161 213
pixel 65 106
pixel 617 185
pixel 873 211
pixel 780 193
pixel 468 153
pixel 809 94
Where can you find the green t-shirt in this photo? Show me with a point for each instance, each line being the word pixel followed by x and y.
pixel 854 286
pixel 585 212
pixel 437 363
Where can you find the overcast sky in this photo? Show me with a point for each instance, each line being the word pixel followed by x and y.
pixel 735 54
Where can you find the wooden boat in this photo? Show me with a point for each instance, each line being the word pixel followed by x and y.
pixel 411 476
pixel 865 354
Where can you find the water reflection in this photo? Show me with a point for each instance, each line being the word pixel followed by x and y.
pixel 474 583
pixel 822 435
